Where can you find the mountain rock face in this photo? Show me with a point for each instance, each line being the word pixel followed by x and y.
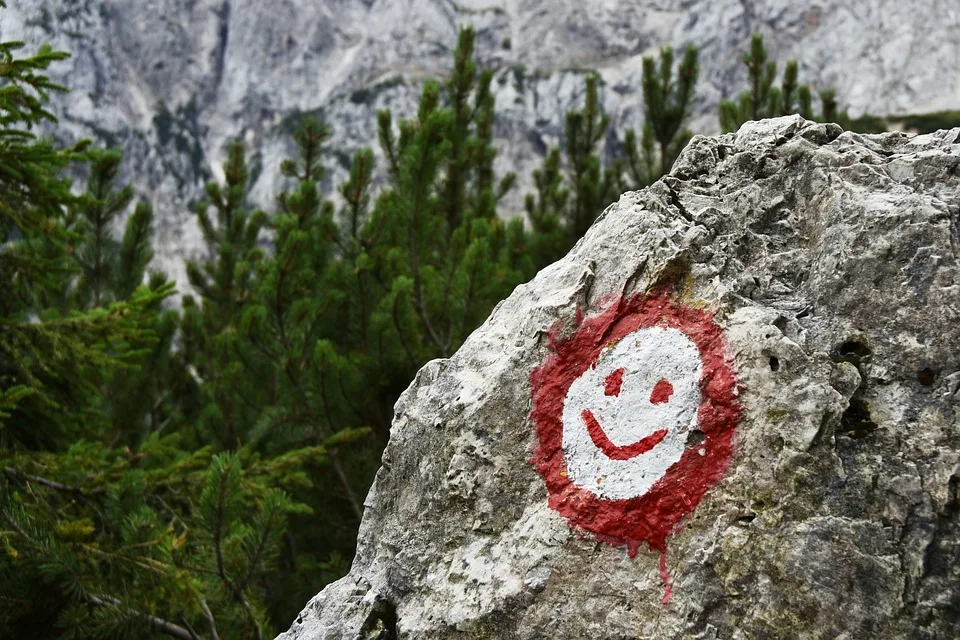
pixel 732 411
pixel 173 81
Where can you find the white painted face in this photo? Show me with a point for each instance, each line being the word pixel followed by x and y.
pixel 626 420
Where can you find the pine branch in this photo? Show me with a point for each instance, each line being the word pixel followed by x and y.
pixel 351 497
pixel 210 620
pixel 164 626
pixel 246 607
pixel 218 524
pixel 50 484
pixel 193 634
pixel 396 325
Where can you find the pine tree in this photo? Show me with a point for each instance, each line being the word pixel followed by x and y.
pixel 592 186
pixel 568 201
pixel 444 269
pixel 545 208
pixel 99 540
pixel 111 270
pixel 263 340
pixel 224 282
pixel 667 106
pixel 765 100
pixel 52 359
pixel 315 334
pixel 289 319
pixel 91 219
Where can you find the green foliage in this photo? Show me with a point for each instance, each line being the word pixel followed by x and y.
pixel 435 241
pixel 142 545
pixel 917 123
pixel 218 408
pixel 591 185
pixel 765 100
pixel 308 340
pixel 109 271
pixel 224 279
pixel 52 357
pixel 667 105
pixel 103 269
pixel 107 527
pixel 567 202
pixel 198 472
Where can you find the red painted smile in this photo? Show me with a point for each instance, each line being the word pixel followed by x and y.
pixel 616 452
pixel 611 387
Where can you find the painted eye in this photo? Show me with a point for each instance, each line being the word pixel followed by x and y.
pixel 661 392
pixel 611 386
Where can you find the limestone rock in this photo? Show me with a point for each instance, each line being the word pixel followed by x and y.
pixel 173 81
pixel 830 262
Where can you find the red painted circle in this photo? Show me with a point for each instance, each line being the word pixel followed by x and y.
pixel 652 517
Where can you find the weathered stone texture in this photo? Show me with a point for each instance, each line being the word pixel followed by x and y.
pixel 832 263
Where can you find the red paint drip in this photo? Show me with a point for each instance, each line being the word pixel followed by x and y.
pixel 661 392
pixel 618 452
pixel 665 576
pixel 611 386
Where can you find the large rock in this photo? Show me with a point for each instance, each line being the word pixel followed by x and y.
pixel 827 265
pixel 172 81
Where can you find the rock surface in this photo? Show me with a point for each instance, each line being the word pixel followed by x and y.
pixel 831 263
pixel 173 81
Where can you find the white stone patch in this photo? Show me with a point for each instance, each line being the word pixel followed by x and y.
pixel 647 356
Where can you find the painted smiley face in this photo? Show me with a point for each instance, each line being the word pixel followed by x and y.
pixel 627 419
pixel 618 405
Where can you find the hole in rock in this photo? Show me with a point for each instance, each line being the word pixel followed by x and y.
pixel 852 351
pixel 774 363
pixel 746 518
pixel 856 421
pixel 927 376
pixel 695 438
pixel 381 622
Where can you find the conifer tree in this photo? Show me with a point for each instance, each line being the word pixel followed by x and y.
pixel 224 281
pixel 667 105
pixel 288 321
pixel 111 270
pixel 91 219
pixel 569 198
pixel 544 209
pixel 93 536
pixel 765 100
pixel 146 540
pixel 52 359
pixel 591 186
pixel 264 341
pixel 443 268
pixel 324 328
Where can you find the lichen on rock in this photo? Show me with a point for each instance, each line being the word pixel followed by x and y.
pixel 831 262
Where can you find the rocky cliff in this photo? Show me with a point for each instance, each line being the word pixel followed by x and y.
pixel 732 411
pixel 172 81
